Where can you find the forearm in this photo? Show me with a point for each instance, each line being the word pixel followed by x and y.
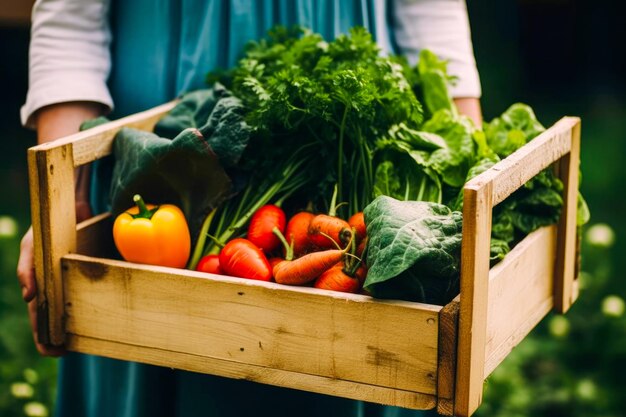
pixel 58 120
pixel 62 119
pixel 470 106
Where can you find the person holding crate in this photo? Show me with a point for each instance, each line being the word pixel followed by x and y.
pixel 86 55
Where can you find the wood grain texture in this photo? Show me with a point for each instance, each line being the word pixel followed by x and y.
pixel 446 373
pixel 339 336
pixel 520 294
pixel 53 211
pixel 265 375
pixel 516 169
pixel 480 195
pixel 94 236
pixel 565 292
pixel 477 205
pixel 96 143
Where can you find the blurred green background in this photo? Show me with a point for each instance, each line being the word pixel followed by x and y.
pixel 563 57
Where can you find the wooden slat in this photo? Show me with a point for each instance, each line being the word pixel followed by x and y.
pixel 515 170
pixel 446 373
pixel 520 294
pixel 480 195
pixel 53 210
pixel 333 335
pixel 565 292
pixel 97 142
pixel 477 204
pixel 230 369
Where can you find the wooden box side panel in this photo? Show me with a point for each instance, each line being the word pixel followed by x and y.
pixel 303 330
pixel 520 294
pixel 255 373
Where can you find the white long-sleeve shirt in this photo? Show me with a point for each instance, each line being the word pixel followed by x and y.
pixel 70 56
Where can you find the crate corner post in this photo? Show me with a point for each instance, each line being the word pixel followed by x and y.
pixel 565 274
pixel 53 213
pixel 477 208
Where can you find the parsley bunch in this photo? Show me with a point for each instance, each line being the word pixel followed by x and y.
pixel 338 96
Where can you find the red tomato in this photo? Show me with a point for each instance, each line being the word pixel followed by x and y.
pixel 262 223
pixel 209 263
pixel 242 258
pixel 298 232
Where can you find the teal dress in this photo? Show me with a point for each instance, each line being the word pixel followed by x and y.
pixel 160 49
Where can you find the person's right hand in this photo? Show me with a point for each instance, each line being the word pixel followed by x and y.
pixel 28 283
pixel 26 277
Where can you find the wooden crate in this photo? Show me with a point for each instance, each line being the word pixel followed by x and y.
pixel 392 352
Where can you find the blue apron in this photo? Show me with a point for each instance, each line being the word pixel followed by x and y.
pixel 160 49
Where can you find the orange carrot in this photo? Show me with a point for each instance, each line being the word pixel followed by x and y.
pixel 305 269
pixel 338 279
pixel 357 222
pixel 327 231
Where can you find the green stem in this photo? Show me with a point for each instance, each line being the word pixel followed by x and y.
pixel 291 179
pixel 144 212
pixel 366 163
pixel 407 188
pixel 342 129
pixel 199 248
pixel 420 194
pixel 288 247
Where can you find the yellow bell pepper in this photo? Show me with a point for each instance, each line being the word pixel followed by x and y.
pixel 155 235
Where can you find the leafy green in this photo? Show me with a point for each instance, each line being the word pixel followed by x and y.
pixel 184 171
pixel 402 171
pixel 454 160
pixel 413 250
pixel 537 203
pixel 217 115
pixel 339 95
pixel 432 83
pixel 302 115
pixel 513 129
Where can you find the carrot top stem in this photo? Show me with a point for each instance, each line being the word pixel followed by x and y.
pixel 331 239
pixel 288 247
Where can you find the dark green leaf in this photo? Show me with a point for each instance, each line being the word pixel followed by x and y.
pixel 217 114
pixel 413 251
pixel 183 171
pixel 513 129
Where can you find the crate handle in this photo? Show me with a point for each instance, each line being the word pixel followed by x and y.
pixel 51 169
pixel 559 144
